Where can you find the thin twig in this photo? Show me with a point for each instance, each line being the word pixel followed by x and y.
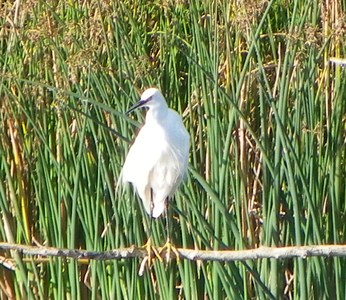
pixel 204 255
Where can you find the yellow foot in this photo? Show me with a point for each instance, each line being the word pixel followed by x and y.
pixel 167 249
pixel 148 260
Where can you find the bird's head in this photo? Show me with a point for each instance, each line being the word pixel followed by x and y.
pixel 151 98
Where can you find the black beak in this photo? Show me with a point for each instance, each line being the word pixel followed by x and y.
pixel 138 104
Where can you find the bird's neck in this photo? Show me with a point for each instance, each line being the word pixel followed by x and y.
pixel 156 114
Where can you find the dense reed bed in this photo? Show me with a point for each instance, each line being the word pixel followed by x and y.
pixel 264 104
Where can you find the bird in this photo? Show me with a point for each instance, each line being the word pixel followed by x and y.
pixel 157 161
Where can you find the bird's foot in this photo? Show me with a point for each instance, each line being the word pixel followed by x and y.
pixel 167 249
pixel 148 260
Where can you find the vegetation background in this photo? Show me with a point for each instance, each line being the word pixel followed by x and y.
pixel 262 98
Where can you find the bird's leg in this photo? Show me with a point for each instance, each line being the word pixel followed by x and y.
pixel 168 246
pixel 150 250
pixel 149 244
pixel 168 227
pixel 148 260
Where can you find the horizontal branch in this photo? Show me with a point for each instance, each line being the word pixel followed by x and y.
pixel 205 255
pixel 265 252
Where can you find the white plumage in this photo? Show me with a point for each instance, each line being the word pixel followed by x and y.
pixel 158 159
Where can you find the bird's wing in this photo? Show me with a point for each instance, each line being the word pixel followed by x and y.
pixel 164 178
pixel 140 163
pixel 141 158
pixel 169 170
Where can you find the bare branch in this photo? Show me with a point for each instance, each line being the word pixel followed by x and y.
pixel 265 252
pixel 205 255
pixel 75 253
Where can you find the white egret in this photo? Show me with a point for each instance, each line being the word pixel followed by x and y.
pixel 158 159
